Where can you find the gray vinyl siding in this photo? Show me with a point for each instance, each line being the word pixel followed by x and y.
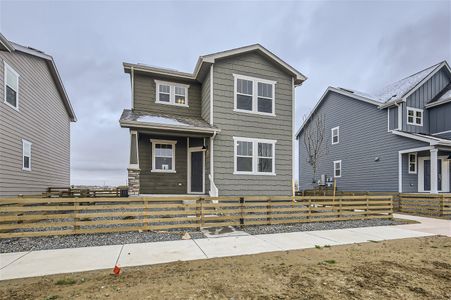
pixel 235 124
pixel 393 117
pixel 42 120
pixel 440 119
pixel 363 138
pixel 205 109
pixel 145 96
pixel 423 95
pixel 162 183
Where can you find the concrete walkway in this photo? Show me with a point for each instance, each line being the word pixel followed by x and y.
pixel 47 262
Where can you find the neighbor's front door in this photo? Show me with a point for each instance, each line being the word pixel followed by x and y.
pixel 196 172
pixel 424 174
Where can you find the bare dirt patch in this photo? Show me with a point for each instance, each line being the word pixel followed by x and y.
pixel 417 268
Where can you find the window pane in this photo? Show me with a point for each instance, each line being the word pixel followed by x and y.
pixel 264 90
pixel 244 86
pixel 410 113
pixel 179 99
pixel 243 102
pixel 165 88
pixel 244 149
pixel 265 165
pixel 410 119
pixel 244 164
pixel 11 80
pixel 412 158
pixel 164 97
pixel 26 162
pixel 337 173
pixel 163 163
pixel 163 150
pixel 264 150
pixel 11 96
pixel 418 114
pixel 180 91
pixel 265 105
pixel 412 167
pixel 335 139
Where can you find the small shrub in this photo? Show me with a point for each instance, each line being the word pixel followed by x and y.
pixel 317 246
pixel 66 281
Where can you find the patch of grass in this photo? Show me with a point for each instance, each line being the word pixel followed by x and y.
pixel 328 262
pixel 317 246
pixel 53 297
pixel 373 241
pixel 66 281
pixel 327 246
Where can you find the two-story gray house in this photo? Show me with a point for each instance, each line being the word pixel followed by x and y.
pixel 225 129
pixel 35 117
pixel 397 139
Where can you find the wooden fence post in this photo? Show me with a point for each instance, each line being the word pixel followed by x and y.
pixel 146 216
pixel 201 212
pixel 268 211
pixel 339 209
pixel 76 227
pixel 367 207
pixel 242 211
pixel 309 207
pixel 442 205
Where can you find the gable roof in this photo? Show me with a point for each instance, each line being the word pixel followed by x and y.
pixel 390 94
pixel 205 61
pixel 11 47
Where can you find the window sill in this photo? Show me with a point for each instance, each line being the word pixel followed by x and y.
pixel 172 104
pixel 28 170
pixel 16 108
pixel 252 173
pixel 254 112
pixel 163 171
pixel 412 124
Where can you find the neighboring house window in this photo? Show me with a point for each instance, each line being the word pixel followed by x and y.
pixel 26 155
pixel 254 156
pixel 254 95
pixel 163 156
pixel 412 163
pixel 337 168
pixel 414 116
pixel 335 135
pixel 171 93
pixel 11 87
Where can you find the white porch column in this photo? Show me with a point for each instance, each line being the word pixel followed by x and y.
pixel 400 172
pixel 434 170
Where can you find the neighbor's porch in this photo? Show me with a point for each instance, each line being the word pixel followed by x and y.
pixel 425 170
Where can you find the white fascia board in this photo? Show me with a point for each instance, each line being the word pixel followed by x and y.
pixel 166 127
pixel 437 103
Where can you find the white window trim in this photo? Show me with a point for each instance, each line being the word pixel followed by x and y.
pixel 6 66
pixel 172 86
pixel 416 163
pixel 24 144
pixel 335 169
pixel 414 116
pixel 254 156
pixel 338 135
pixel 164 142
pixel 255 82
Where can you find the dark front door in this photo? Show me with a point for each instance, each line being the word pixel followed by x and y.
pixel 197 172
pixel 427 175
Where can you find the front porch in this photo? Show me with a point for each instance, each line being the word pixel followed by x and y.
pixel 425 170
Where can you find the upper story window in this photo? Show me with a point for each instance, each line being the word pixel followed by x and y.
pixel 171 93
pixel 414 116
pixel 337 168
pixel 11 87
pixel 335 135
pixel 163 156
pixel 254 156
pixel 26 155
pixel 254 95
pixel 412 163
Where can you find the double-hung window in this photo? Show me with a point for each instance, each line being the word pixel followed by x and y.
pixel 412 163
pixel 414 116
pixel 163 156
pixel 254 95
pixel 335 135
pixel 26 155
pixel 171 93
pixel 254 156
pixel 337 168
pixel 11 87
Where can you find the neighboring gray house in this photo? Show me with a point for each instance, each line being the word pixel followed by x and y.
pixel 225 129
pixel 395 139
pixel 35 116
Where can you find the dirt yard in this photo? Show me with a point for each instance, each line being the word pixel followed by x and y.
pixel 404 269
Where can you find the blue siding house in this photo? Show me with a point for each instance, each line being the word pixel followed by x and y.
pixel 394 139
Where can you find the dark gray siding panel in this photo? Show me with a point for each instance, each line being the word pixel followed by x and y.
pixel 252 126
pixel 145 97
pixel 440 118
pixel 363 138
pixel 393 117
pixel 205 109
pixel 42 119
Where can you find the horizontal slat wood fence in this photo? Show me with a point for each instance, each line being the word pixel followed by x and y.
pixel 426 204
pixel 27 217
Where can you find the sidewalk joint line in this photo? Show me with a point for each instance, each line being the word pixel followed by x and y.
pixel 15 260
pixel 200 248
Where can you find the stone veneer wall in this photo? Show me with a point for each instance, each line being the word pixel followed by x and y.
pixel 133 182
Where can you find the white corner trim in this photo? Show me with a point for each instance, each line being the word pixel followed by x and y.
pixel 132 71
pixel 400 172
pixel 293 137
pixel 211 95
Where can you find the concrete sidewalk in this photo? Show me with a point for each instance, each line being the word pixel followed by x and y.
pixel 47 262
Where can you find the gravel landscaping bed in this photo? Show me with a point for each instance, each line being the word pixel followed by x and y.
pixel 88 240
pixel 265 229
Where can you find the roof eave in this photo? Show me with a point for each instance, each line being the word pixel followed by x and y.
pixel 6 44
pixel 128 124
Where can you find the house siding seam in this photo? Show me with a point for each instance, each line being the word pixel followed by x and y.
pixel 363 138
pixel 252 126
pixel 43 120
pixel 145 95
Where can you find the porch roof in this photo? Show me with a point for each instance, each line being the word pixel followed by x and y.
pixel 146 120
pixel 431 139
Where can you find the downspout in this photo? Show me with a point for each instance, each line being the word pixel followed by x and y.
pixel 213 189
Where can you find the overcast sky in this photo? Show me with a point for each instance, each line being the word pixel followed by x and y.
pixel 356 44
